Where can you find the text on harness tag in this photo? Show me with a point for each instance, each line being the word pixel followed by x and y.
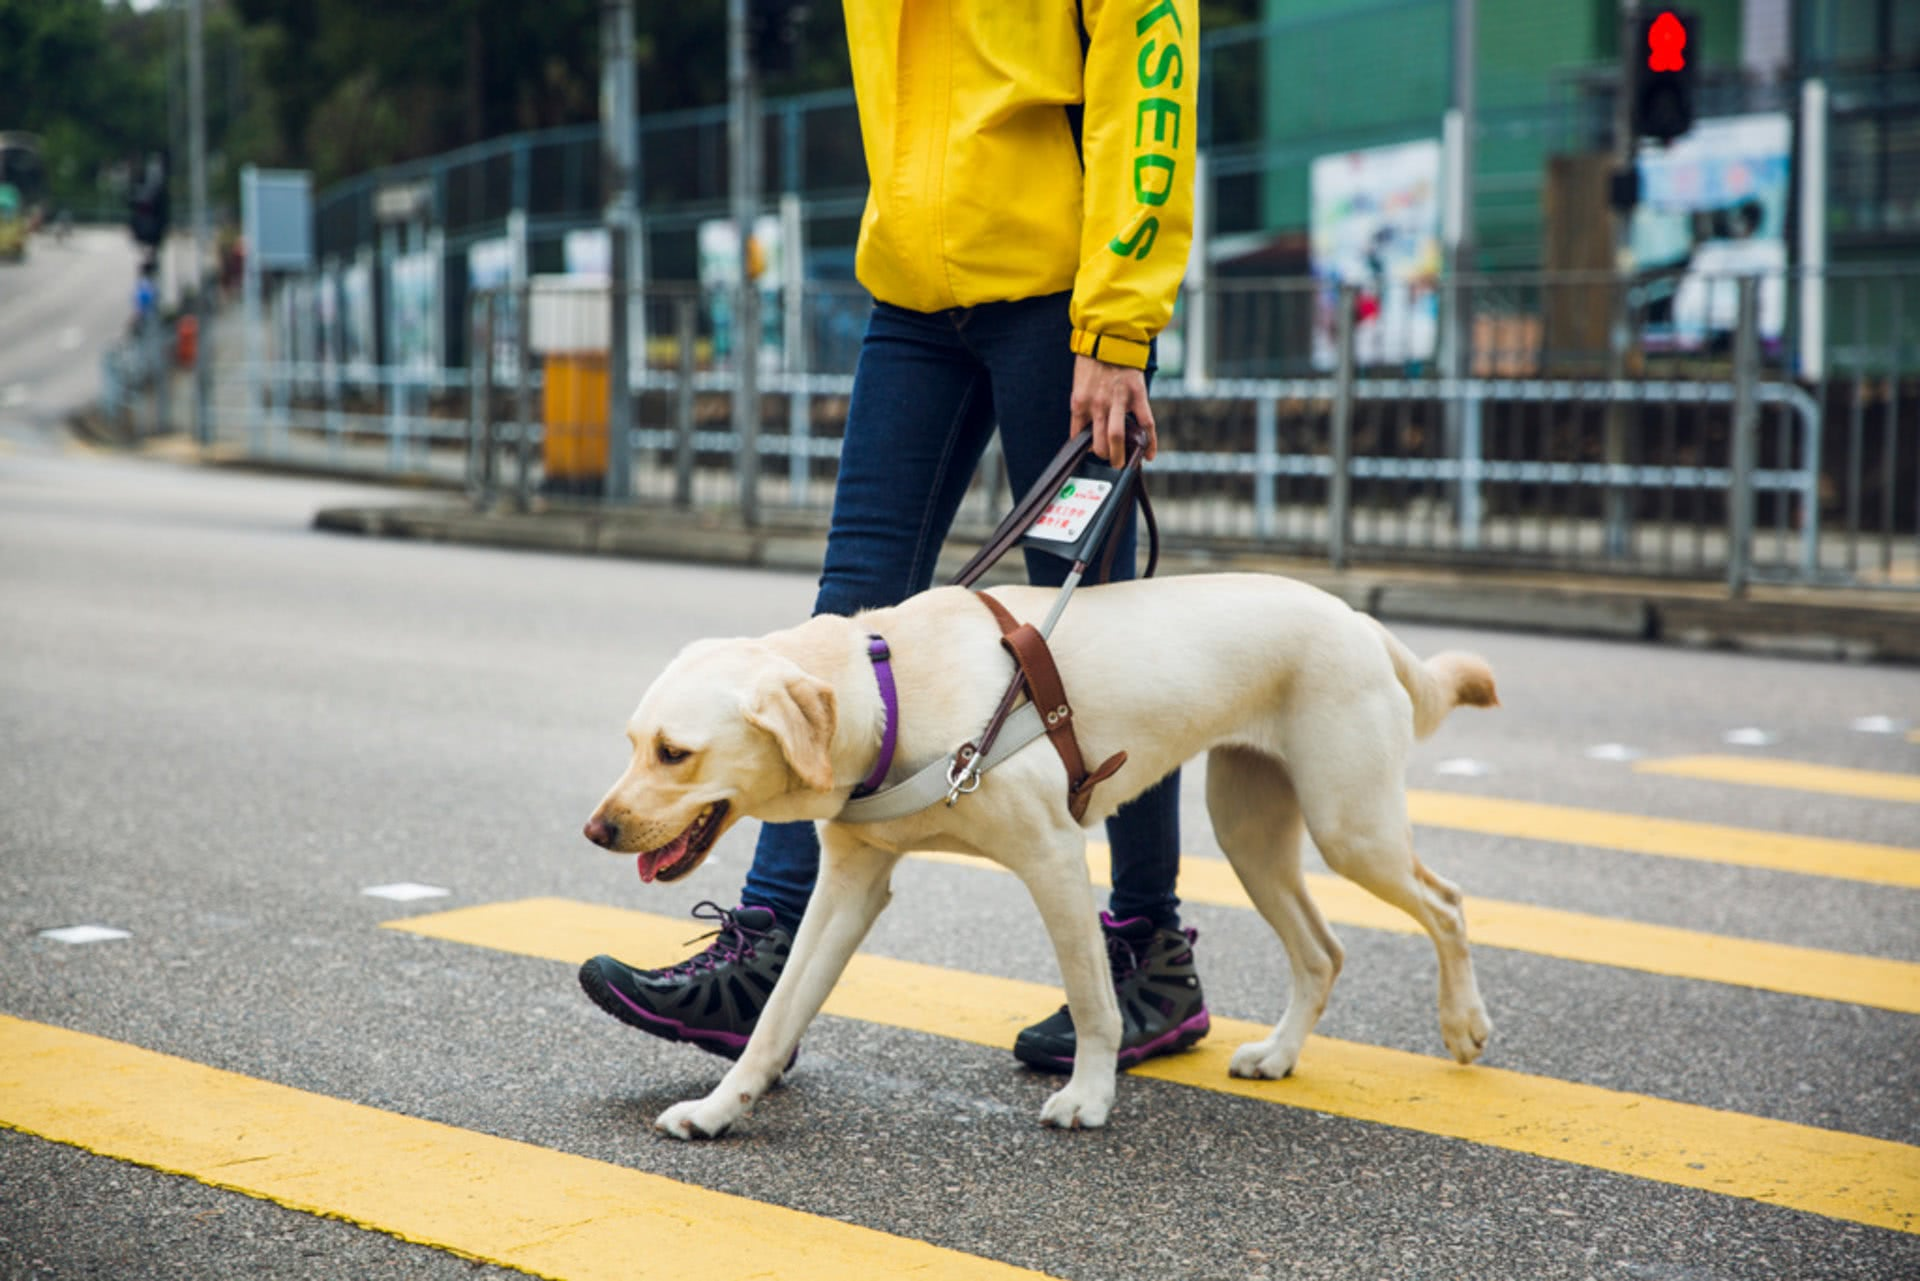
pixel 1065 518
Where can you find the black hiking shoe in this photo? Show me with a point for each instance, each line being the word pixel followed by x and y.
pixel 1161 1009
pixel 711 1000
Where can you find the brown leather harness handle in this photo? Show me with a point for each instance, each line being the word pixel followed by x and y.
pixel 1010 530
pixel 1034 668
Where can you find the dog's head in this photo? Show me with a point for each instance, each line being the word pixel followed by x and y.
pixel 729 729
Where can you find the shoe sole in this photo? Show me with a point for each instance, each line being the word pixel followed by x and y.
pixel 1172 1041
pixel 727 1045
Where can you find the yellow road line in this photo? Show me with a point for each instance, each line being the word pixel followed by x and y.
pixel 1669 838
pixel 503 1202
pixel 1797 776
pixel 1824 1172
pixel 1576 936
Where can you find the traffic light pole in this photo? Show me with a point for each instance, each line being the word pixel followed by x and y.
pixel 1617 508
pixel 1462 413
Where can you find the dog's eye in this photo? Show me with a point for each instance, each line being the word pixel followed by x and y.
pixel 669 755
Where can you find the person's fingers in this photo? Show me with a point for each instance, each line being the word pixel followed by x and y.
pixel 1116 442
pixel 1079 411
pixel 1142 410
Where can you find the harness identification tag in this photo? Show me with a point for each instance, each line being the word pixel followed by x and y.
pixel 1065 519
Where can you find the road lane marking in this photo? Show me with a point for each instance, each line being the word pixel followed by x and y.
pixel 1668 838
pixel 1795 776
pixel 1823 1172
pixel 497 1200
pixel 1575 936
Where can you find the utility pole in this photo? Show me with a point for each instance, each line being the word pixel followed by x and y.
pixel 616 168
pixel 743 140
pixel 202 239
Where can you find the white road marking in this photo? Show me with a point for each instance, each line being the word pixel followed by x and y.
pixel 1751 737
pixel 405 891
pixel 1613 752
pixel 1463 767
pixel 1878 725
pixel 84 934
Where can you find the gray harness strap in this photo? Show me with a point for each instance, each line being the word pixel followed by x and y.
pixel 930 785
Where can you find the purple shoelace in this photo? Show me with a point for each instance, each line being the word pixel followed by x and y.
pixel 732 941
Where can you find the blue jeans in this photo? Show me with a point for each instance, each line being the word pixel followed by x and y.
pixel 927 394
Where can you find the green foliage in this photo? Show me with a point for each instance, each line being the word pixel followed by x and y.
pixel 341 86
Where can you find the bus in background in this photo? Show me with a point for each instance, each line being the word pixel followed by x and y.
pixel 22 185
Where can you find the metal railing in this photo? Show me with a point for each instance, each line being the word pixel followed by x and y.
pixel 1692 454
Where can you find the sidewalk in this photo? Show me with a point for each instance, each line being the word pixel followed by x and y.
pixel 1844 624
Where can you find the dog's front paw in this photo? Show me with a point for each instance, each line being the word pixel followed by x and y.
pixel 1262 1061
pixel 697 1119
pixel 1082 1109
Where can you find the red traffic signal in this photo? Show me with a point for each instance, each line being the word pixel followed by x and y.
pixel 1663 74
pixel 1666 41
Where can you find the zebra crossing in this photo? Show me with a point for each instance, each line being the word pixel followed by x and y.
pixel 561 1214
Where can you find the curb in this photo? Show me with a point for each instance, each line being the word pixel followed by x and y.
pixel 1636 610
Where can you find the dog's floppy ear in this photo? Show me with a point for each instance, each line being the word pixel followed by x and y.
pixel 798 711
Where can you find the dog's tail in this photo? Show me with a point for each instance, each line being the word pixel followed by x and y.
pixel 1439 684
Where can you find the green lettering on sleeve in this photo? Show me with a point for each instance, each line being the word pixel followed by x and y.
pixel 1145 194
pixel 1143 237
pixel 1164 9
pixel 1170 59
pixel 1162 110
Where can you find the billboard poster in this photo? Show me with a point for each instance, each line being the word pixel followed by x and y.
pixel 1375 224
pixel 719 245
pixel 588 252
pixel 356 320
pixel 490 269
pixel 1713 208
pixel 413 291
pixel 330 325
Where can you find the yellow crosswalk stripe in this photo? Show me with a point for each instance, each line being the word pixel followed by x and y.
pixel 1825 1172
pixel 1668 837
pixel 1575 936
pixel 1796 776
pixel 500 1201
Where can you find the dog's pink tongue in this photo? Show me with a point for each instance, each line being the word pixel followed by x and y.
pixel 653 860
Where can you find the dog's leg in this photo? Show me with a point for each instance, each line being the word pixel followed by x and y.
pixel 1054 868
pixel 1362 830
pixel 849 894
pixel 1256 818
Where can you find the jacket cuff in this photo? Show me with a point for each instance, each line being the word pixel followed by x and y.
pixel 1113 350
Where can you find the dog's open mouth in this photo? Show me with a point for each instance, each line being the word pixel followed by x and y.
pixel 683 853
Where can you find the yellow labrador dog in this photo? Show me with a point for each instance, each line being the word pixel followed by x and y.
pixel 1305 708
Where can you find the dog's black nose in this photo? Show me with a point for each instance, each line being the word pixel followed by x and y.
pixel 601 832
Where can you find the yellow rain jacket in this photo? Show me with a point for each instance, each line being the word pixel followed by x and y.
pixel 978 191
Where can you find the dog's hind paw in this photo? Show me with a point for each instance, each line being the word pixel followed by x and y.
pixel 684 1121
pixel 1467 1036
pixel 1068 1110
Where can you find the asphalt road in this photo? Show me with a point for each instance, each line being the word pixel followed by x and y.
pixel 220 728
pixel 60 308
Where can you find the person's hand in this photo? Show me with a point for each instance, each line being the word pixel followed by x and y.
pixel 1103 396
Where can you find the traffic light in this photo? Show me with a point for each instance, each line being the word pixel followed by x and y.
pixel 774 29
pixel 1663 74
pixel 147 202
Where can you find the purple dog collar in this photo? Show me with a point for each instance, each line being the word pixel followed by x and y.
pixel 881 656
